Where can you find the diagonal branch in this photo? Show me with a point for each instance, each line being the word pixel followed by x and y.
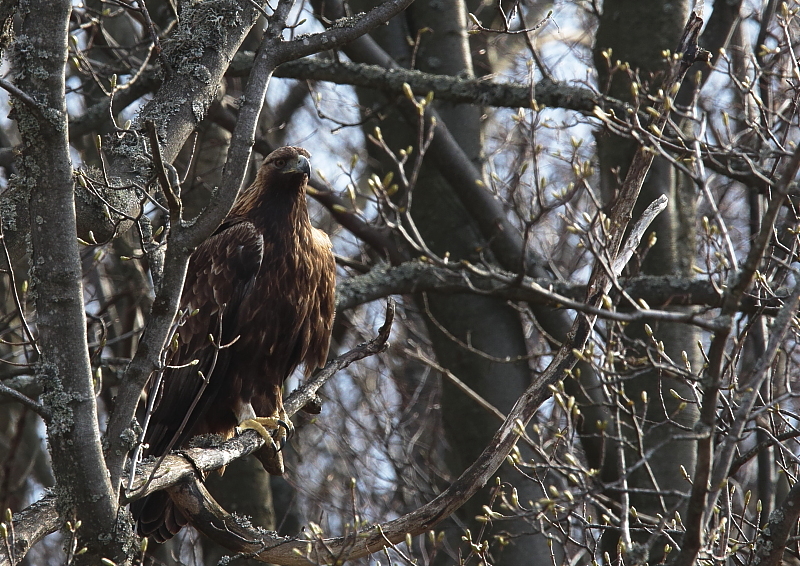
pixel 211 520
pixel 341 31
pixel 224 529
pixel 184 464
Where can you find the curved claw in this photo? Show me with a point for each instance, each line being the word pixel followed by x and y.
pixel 288 427
pixel 283 438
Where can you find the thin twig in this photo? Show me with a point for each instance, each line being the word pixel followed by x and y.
pixel 15 293
pixel 26 401
pixel 173 200
pixel 24 97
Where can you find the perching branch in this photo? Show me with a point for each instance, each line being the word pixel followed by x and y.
pixel 183 465
pixel 268 547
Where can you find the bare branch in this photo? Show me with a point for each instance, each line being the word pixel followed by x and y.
pixel 24 97
pixel 341 31
pixel 26 401
pixel 267 547
pixel 418 276
pixel 444 87
pixel 699 503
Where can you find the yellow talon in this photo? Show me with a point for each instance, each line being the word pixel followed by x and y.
pixel 270 456
pixel 261 425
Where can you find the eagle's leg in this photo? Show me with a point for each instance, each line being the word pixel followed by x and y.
pixel 286 424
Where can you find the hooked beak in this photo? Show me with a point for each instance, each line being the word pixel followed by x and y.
pixel 302 165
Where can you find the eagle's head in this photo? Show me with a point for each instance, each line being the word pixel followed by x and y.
pixel 287 166
pixel 279 188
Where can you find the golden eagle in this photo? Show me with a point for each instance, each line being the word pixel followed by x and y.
pixel 260 298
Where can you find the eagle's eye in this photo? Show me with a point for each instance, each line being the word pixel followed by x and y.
pixel 279 163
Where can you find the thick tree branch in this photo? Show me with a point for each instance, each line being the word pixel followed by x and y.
pixel 199 51
pixel 418 276
pixel 445 87
pixel 391 79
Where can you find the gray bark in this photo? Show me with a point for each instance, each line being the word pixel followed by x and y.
pixel 63 369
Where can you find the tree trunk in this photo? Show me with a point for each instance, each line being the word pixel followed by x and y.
pixel 637 33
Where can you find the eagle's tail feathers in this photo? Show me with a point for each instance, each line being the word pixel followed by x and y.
pixel 157 517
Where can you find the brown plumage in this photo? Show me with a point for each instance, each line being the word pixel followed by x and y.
pixel 263 286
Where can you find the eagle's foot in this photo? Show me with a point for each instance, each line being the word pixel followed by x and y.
pixel 281 430
pixel 270 455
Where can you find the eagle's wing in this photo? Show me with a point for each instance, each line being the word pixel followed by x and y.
pixel 316 334
pixel 307 340
pixel 220 276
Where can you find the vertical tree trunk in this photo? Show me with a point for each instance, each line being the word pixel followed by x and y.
pixel 85 491
pixel 637 33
